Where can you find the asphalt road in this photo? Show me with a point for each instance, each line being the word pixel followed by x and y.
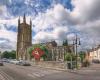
pixel 15 72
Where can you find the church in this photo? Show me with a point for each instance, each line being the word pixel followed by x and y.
pixel 24 39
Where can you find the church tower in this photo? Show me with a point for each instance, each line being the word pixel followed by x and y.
pixel 24 39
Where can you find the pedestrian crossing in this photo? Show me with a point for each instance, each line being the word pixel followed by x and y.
pixel 4 76
pixel 31 71
pixel 42 73
pixel 36 75
pixel 1 77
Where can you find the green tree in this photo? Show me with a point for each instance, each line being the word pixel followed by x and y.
pixel 9 54
pixel 65 42
pixel 42 47
pixel 5 54
pixel 82 55
pixel 13 54
pixel 70 56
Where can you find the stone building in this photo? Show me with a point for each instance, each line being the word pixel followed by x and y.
pixel 24 39
pixel 57 53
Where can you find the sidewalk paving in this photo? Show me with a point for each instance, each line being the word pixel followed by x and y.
pixel 54 68
pixel 91 67
pixel 48 67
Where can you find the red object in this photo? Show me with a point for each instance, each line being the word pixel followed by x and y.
pixel 37 53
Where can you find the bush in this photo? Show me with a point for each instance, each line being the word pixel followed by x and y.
pixel 70 56
pixel 85 63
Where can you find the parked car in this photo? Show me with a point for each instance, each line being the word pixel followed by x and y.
pixel 1 63
pixel 96 61
pixel 4 60
pixel 14 61
pixel 23 63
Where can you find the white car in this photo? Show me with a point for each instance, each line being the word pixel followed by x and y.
pixel 14 61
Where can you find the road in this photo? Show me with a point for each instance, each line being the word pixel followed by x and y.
pixel 16 72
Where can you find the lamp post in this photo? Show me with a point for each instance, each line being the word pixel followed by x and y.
pixel 76 42
pixel 0 54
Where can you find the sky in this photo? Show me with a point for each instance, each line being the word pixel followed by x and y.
pixel 51 20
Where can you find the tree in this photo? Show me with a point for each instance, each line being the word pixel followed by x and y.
pixel 42 47
pixel 82 55
pixel 9 54
pixel 13 54
pixel 70 56
pixel 65 42
pixel 5 54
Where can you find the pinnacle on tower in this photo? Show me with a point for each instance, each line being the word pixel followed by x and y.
pixel 30 22
pixel 24 19
pixel 19 21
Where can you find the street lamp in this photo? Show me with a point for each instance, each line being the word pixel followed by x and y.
pixel 76 42
pixel 0 54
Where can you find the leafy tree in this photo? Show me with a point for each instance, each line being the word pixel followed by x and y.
pixel 42 47
pixel 82 55
pixel 70 56
pixel 65 42
pixel 9 54
pixel 13 54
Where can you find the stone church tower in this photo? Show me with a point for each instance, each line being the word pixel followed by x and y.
pixel 24 39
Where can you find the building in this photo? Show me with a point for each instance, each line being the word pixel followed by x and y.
pixel 24 39
pixel 93 54
pixel 57 53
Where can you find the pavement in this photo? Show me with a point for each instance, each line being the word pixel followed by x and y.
pixel 53 68
pixel 16 72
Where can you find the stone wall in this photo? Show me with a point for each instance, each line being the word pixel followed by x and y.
pixel 52 64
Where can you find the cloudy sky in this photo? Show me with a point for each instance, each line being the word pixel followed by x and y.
pixel 52 20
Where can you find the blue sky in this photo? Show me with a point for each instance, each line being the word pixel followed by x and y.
pixel 52 20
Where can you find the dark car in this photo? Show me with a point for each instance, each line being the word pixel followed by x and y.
pixel 23 63
pixel 96 61
pixel 1 63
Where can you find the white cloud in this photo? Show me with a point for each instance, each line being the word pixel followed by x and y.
pixel 59 33
pixel 91 28
pixel 57 21
pixel 3 11
pixel 87 13
pixel 86 10
pixel 71 36
pixel 13 21
pixel 54 16
pixel 8 35
pixel 82 18
pixel 9 39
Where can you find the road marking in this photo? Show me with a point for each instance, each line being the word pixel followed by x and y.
pixel 36 75
pixel 41 73
pixel 30 75
pixel 5 76
pixel 1 77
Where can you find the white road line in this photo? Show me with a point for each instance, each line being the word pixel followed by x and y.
pixel 41 73
pixel 36 75
pixel 31 75
pixel 1 77
pixel 5 76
